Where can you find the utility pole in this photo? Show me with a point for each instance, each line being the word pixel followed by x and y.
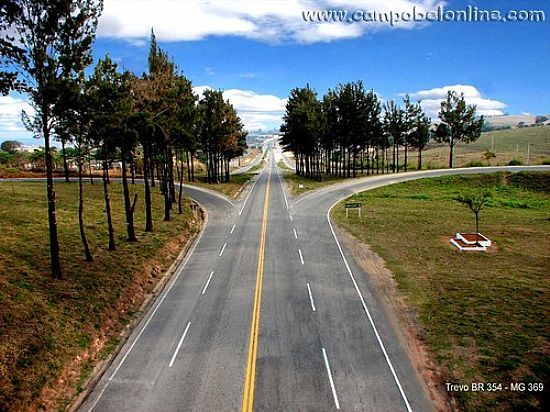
pixel 528 153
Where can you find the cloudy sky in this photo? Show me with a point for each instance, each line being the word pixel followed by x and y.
pixel 256 51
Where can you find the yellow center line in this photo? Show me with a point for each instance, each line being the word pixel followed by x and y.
pixel 250 378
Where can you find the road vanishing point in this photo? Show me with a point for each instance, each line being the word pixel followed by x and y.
pixel 268 312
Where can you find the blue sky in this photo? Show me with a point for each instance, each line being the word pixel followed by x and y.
pixel 257 51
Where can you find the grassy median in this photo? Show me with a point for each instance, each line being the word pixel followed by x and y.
pixel 483 315
pixel 54 332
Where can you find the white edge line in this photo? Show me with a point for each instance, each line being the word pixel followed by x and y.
pixel 207 283
pixel 295 233
pixel 290 217
pixel 179 345
pixel 99 397
pixel 282 186
pixel 311 297
pixel 301 256
pixel 334 394
pixel 189 254
pixel 233 228
pixel 374 328
pixel 249 193
pixel 209 191
pixel 223 248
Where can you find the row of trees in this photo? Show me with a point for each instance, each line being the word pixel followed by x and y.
pixel 116 115
pixel 349 129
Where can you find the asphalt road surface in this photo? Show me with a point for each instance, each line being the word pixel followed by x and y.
pixel 267 313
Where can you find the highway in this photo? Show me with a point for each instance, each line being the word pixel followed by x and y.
pixel 269 313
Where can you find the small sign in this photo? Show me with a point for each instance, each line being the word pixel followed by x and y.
pixel 354 205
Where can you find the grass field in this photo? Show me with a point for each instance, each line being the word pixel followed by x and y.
pixel 297 185
pixel 484 315
pixel 46 325
pixel 230 189
pixel 507 145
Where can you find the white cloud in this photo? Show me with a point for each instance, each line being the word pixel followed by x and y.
pixel 269 20
pixel 257 111
pixel 431 100
pixel 11 125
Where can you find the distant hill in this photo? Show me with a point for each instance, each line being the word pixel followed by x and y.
pixel 512 120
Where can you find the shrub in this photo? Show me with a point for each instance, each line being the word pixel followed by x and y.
pixel 515 162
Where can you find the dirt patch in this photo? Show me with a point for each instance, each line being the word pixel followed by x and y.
pixel 82 373
pixel 404 321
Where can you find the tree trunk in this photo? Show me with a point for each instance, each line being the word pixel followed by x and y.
pixel 171 182
pixel 152 168
pixel 133 170
pixel 105 178
pixel 188 166
pixel 148 206
pixel 419 158
pixel 477 223
pixel 90 167
pixel 52 221
pixel 192 167
pixel 406 156
pixel 65 164
pixel 451 153
pixel 83 237
pixel 128 209
pixel 180 194
pixel 396 166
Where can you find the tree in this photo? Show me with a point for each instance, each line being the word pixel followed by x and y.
pixel 221 134
pixel 410 115
pixel 540 119
pixel 460 122
pixel 475 202
pixel 107 101
pixel 301 128
pixel 335 136
pixel 421 135
pixel 73 114
pixel 5 157
pixel 10 51
pixel 159 95
pixel 55 38
pixel 11 146
pixel 395 127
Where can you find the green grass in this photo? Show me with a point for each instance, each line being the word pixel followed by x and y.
pixel 230 189
pixel 46 324
pixel 507 145
pixel 485 315
pixel 298 184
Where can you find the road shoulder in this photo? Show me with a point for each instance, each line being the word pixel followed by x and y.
pixel 402 318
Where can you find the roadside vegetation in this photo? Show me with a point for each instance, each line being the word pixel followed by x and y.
pixel 152 124
pixel 53 333
pixel 483 316
pixel 348 131
pixel 231 189
pixel 296 184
